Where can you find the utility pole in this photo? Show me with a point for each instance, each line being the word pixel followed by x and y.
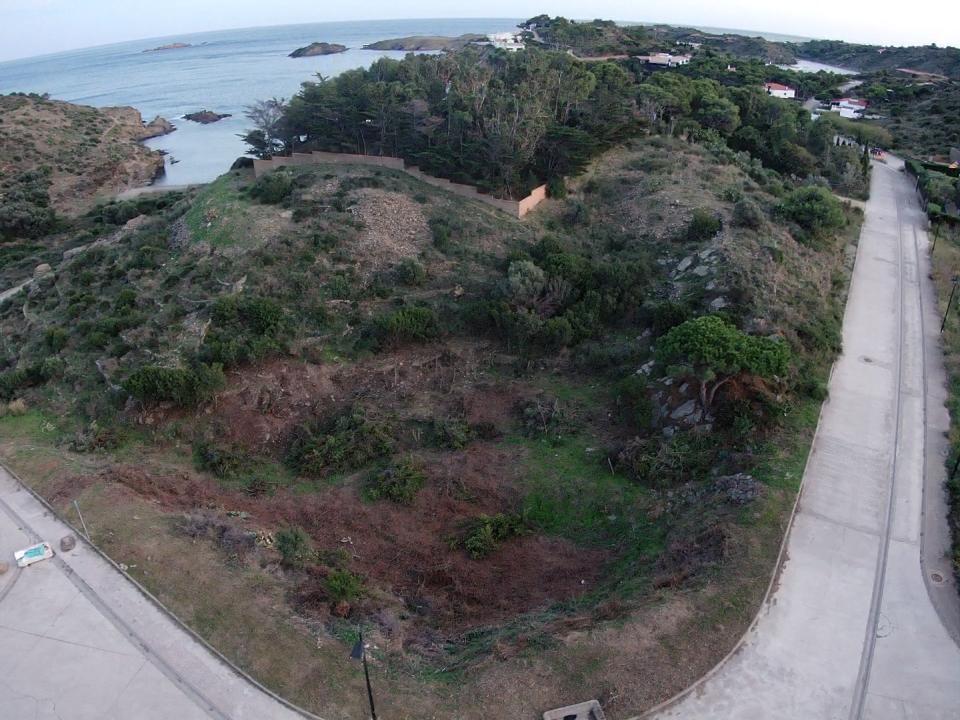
pixel 953 291
pixel 936 234
pixel 359 652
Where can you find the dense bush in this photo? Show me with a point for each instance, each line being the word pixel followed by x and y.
pixel 656 462
pixel 343 586
pixel 224 462
pixel 293 544
pixel 747 213
pixel 485 533
pixel 398 482
pixel 815 210
pixel 408 323
pixel 244 328
pixel 13 382
pixel 182 386
pixel 25 210
pixel 273 188
pixel 703 225
pixel 344 442
pixel 411 272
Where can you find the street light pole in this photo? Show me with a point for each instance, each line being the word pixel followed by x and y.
pixel 360 653
pixel 936 234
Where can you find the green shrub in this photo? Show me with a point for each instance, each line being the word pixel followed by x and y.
pixel 665 315
pixel 703 225
pixel 410 272
pixel 398 482
pixel 746 213
pixel 343 586
pixel 244 329
pixel 293 544
pixel 485 533
pixel 633 399
pixel 224 462
pixel 442 232
pixel 272 188
pixel 409 323
pixel 685 457
pixel 56 338
pixel 13 382
pixel 183 386
pixel 814 210
pixel 345 442
pixel 450 434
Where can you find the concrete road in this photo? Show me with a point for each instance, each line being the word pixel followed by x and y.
pixel 854 627
pixel 78 641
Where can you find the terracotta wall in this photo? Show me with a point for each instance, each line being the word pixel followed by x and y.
pixel 516 208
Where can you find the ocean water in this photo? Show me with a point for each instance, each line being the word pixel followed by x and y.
pixel 224 71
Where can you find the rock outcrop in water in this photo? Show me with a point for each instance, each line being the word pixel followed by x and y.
pixel 205 117
pixel 171 46
pixel 157 127
pixel 318 48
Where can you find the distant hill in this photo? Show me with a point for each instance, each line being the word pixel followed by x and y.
pixel 420 43
pixel 868 58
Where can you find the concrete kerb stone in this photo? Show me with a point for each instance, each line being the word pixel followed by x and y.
pixel 774 576
pixel 157 603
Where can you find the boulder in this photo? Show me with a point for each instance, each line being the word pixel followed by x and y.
pixel 42 269
pixel 67 543
pixel 157 127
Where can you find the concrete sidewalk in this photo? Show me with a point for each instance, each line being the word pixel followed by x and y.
pixel 79 641
pixel 850 631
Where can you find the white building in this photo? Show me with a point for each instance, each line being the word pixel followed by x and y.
pixel 506 41
pixel 849 107
pixel 780 91
pixel 665 59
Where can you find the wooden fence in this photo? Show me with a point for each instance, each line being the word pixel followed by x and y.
pixel 516 208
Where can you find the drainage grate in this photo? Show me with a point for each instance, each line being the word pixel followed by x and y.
pixel 937 578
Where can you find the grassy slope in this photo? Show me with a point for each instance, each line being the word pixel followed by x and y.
pixel 638 199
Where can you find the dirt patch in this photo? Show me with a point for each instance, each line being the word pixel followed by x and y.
pixel 394 228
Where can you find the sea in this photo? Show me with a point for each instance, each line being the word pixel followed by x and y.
pixel 223 71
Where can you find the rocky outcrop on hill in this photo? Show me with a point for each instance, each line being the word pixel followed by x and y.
pixel 205 117
pixel 424 43
pixel 318 48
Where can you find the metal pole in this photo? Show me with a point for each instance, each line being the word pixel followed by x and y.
pixel 955 466
pixel 936 234
pixel 366 675
pixel 949 303
pixel 85 532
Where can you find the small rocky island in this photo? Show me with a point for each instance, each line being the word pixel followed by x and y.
pixel 171 46
pixel 205 117
pixel 421 43
pixel 157 127
pixel 318 48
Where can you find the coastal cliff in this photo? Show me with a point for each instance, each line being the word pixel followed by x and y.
pixel 85 152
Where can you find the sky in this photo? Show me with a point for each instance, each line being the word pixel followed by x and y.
pixel 38 27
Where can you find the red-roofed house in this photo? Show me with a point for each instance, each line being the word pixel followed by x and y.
pixel 780 91
pixel 849 107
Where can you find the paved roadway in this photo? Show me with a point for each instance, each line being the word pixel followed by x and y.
pixel 851 630
pixel 78 641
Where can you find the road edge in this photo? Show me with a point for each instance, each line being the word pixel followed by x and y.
pixel 156 602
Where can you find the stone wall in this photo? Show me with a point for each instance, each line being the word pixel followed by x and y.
pixel 516 208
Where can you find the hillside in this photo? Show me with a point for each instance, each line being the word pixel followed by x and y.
pixel 335 395
pixel 872 58
pixel 83 153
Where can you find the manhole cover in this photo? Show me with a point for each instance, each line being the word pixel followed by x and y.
pixel 937 578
